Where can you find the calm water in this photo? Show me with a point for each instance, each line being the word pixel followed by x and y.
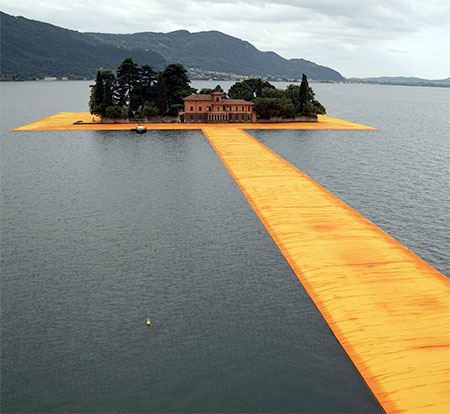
pixel 101 230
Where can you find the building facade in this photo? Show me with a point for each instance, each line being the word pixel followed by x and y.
pixel 214 109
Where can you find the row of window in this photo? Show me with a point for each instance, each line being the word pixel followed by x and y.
pixel 223 108
pixel 225 117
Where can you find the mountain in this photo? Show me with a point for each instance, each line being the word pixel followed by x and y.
pixel 32 49
pixel 216 51
pixel 402 80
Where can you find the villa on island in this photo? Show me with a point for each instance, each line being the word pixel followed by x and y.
pixel 215 109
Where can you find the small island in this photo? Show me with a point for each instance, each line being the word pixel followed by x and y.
pixel 139 94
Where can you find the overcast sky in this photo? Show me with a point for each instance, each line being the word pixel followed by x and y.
pixel 358 38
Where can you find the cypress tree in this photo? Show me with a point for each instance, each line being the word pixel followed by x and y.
pixel 259 91
pixel 108 96
pixel 96 98
pixel 162 94
pixel 303 93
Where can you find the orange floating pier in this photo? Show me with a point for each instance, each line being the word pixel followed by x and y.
pixel 387 307
pixel 84 121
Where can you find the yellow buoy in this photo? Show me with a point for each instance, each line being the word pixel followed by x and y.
pixel 148 322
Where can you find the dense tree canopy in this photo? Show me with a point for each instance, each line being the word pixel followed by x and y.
pixel 269 101
pixel 139 91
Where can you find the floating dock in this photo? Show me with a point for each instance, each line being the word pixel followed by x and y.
pixel 84 121
pixel 387 307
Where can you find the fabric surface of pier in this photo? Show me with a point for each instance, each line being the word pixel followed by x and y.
pixel 387 307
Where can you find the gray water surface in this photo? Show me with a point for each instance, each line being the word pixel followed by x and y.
pixel 100 230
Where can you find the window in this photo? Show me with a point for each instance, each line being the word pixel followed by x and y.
pixel 192 117
pixel 217 99
pixel 237 109
pixel 199 109
pixel 192 109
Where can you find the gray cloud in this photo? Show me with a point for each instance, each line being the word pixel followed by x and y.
pixel 358 38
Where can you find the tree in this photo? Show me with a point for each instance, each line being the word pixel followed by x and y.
pixel 96 98
pixel 101 93
pixel 267 108
pixel 162 94
pixel 115 111
pixel 128 78
pixel 206 91
pixel 248 89
pixel 108 95
pixel 304 94
pixel 177 83
pixel 259 88
pixel 147 85
pixel 241 90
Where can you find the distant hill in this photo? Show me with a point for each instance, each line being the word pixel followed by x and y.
pixel 32 49
pixel 216 51
pixel 403 80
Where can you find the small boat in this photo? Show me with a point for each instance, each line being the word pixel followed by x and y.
pixel 140 129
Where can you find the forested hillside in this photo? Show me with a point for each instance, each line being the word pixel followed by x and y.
pixel 31 49
pixel 216 51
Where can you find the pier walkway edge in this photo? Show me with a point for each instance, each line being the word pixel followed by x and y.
pixel 387 307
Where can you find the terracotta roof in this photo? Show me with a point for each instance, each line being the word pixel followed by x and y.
pixel 198 97
pixel 233 102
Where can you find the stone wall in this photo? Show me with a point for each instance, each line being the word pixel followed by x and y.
pixel 277 119
pixel 151 120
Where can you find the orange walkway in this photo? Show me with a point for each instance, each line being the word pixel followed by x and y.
pixel 387 307
pixel 64 121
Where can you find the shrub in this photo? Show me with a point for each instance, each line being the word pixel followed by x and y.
pixel 149 111
pixel 267 108
pixel 114 111
pixel 173 110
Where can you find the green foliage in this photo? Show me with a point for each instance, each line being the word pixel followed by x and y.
pixel 138 91
pixel 307 109
pixel 272 93
pixel 115 111
pixel 128 78
pixel 206 91
pixel 101 93
pixel 147 84
pixel 241 90
pixel 149 111
pixel 108 94
pixel 318 108
pixel 269 107
pixel 305 95
pixel 290 102
pixel 176 83
pixel 290 110
pixel 162 95
pixel 175 108
pixel 248 89
pixel 259 88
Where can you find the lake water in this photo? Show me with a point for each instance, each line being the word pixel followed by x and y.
pixel 101 230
